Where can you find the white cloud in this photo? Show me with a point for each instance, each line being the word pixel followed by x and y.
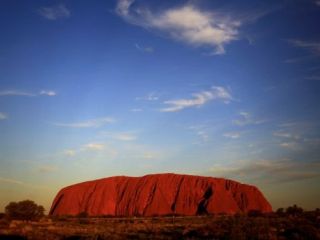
pixel 245 118
pixel 317 3
pixel 3 116
pixel 152 96
pixel 136 110
pixel 48 93
pixel 232 135
pixel 125 136
pixel 270 171
pixel 312 46
pixel 290 145
pixel 16 93
pixel 94 146
pixel 27 94
pixel 70 152
pixel 120 136
pixel 146 49
pixel 13 181
pixel 203 135
pixel 20 183
pixel 201 131
pixel 123 7
pixel 283 134
pixel 55 12
pixel 91 123
pixel 199 99
pixel 187 24
pixel 149 155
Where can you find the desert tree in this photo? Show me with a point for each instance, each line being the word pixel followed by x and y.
pixel 24 210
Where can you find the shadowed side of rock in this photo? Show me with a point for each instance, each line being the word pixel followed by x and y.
pixel 158 194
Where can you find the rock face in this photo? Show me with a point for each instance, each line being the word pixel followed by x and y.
pixel 158 194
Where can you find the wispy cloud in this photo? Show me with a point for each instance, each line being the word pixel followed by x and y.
pixel 10 180
pixel 94 149
pixel 232 135
pixel 125 136
pixel 50 93
pixel 313 47
pixel 198 99
pixel 120 136
pixel 47 169
pixel 201 131
pixel 152 96
pixel 246 118
pixel 94 146
pixel 20 183
pixel 136 110
pixel 290 145
pixel 55 12
pixel 70 152
pixel 146 49
pixel 3 116
pixel 187 23
pixel 269 171
pixel 91 123
pixel 298 136
pixel 16 93
pixel 313 77
pixel 283 134
pixel 149 155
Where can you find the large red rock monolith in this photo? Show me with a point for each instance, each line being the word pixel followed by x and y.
pixel 158 194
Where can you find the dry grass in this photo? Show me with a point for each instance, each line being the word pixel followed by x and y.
pixel 199 227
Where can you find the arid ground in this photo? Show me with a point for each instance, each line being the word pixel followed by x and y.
pixel 252 226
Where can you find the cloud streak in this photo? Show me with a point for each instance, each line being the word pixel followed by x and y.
pixel 270 171
pixel 152 96
pixel 54 12
pixel 91 123
pixel 49 93
pixel 198 99
pixel 16 93
pixel 246 118
pixel 232 135
pixel 94 146
pixel 146 49
pixel 20 183
pixel 124 137
pixel 3 116
pixel 311 46
pixel 187 24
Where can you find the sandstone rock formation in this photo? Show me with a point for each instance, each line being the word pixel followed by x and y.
pixel 158 194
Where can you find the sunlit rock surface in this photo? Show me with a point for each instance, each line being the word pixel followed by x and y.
pixel 158 194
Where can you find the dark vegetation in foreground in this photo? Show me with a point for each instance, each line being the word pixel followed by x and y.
pixel 290 223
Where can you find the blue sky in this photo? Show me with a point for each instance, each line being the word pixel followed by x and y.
pixel 102 88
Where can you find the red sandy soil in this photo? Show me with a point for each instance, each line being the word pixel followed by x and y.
pixel 158 194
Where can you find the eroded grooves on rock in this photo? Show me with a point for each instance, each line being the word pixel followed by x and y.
pixel 158 194
pixel 202 207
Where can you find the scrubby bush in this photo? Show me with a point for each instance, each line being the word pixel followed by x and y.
pixel 255 213
pixel 24 210
pixel 280 212
pixel 294 210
